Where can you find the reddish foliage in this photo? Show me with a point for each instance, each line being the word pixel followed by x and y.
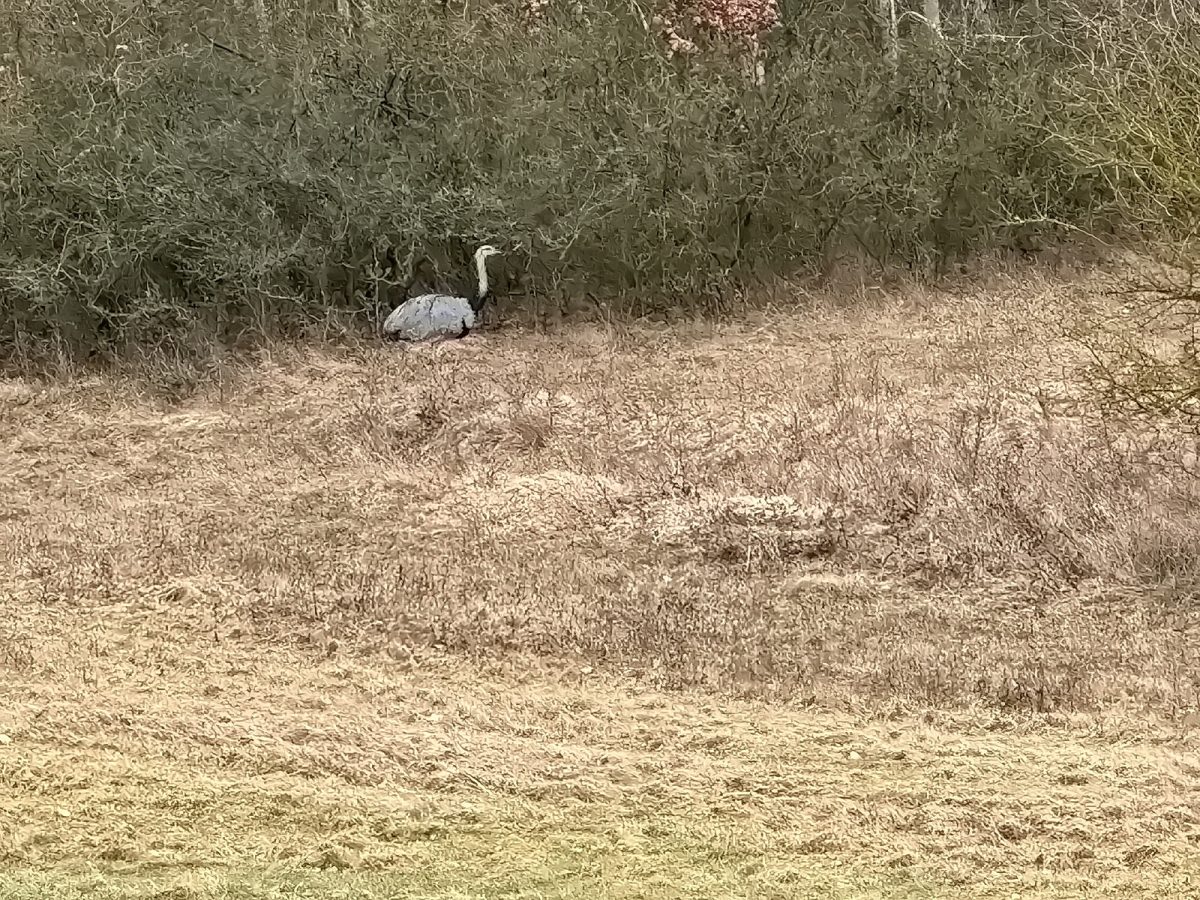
pixel 736 18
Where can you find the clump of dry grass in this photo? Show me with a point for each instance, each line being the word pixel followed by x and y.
pixel 911 501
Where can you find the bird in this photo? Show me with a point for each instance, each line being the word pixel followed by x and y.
pixel 441 315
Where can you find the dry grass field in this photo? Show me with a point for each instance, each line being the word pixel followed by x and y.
pixel 859 602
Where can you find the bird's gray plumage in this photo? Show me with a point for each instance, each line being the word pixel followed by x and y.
pixel 441 315
pixel 429 316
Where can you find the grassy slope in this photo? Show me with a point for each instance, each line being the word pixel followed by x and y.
pixel 218 681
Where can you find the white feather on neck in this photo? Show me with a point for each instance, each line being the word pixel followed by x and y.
pixel 481 267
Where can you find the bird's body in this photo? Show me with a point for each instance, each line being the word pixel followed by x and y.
pixel 441 315
pixel 430 316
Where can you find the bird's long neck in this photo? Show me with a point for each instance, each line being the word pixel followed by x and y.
pixel 481 294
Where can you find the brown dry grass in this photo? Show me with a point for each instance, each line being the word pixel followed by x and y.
pixel 861 602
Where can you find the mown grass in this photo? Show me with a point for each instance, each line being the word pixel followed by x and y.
pixel 231 772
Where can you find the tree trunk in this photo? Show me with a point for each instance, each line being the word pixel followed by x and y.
pixel 366 17
pixel 264 23
pixel 891 32
pixel 982 16
pixel 933 19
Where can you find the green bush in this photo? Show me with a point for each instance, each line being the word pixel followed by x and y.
pixel 175 174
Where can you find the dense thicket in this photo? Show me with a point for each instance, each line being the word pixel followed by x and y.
pixel 173 170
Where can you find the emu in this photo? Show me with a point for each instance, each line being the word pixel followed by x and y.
pixel 441 315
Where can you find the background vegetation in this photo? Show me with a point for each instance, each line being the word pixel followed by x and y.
pixel 176 173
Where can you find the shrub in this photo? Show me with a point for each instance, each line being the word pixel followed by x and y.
pixel 180 175
pixel 1143 132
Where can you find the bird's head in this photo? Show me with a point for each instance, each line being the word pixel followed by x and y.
pixel 485 251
